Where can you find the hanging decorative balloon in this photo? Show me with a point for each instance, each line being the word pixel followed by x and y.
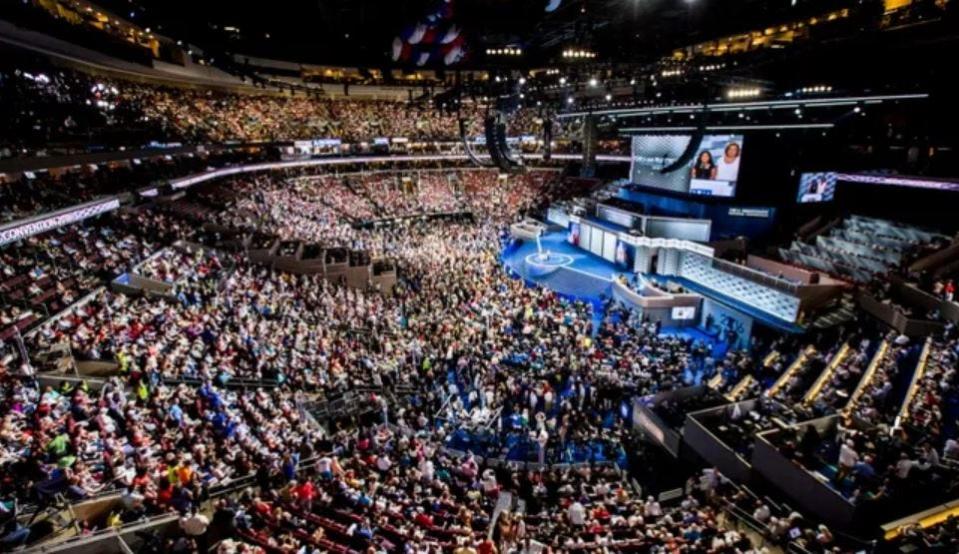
pixel 436 38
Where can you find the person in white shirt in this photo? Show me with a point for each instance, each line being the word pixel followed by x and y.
pixel 652 509
pixel 195 526
pixel 325 467
pixel 951 449
pixel 762 513
pixel 847 460
pixel 904 466
pixel 489 482
pixel 577 513
pixel 427 469
pixel 542 439
pixel 727 167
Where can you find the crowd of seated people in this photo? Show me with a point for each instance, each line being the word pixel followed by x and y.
pixel 333 210
pixel 170 425
pixel 884 392
pixel 869 459
pixel 809 367
pixel 942 537
pixel 38 192
pixel 845 378
pixel 174 265
pixel 44 274
pixel 408 194
pixel 46 104
pixel 168 444
pixel 933 408
pixel 326 216
pixel 473 338
pixel 591 508
pixel 777 523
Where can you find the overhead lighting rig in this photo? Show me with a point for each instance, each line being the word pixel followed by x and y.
pixel 818 89
pixel 740 93
pixel 508 51
pixel 578 54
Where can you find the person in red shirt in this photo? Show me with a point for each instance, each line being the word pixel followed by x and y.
pixel 601 513
pixel 486 546
pixel 423 519
pixel 305 493
pixel 164 493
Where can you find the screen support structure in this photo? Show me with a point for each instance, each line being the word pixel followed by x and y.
pixel 468 148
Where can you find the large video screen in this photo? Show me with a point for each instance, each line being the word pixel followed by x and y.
pixel 816 187
pixel 712 171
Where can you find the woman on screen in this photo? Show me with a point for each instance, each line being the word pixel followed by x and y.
pixel 704 168
pixel 727 168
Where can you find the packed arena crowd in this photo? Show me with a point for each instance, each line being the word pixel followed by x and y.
pixel 228 382
pixel 456 361
pixel 270 292
pixel 45 105
pixel 318 414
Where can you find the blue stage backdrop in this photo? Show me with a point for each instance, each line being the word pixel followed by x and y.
pixel 729 219
pixel 625 254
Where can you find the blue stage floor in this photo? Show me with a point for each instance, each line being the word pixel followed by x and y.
pixel 588 279
pixel 556 242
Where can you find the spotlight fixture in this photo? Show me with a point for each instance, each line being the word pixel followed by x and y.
pixel 739 93
pixel 578 54
pixel 711 67
pixel 509 51
pixel 818 89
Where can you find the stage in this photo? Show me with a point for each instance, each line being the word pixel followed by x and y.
pixel 583 276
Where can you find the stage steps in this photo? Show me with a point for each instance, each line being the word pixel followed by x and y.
pixel 843 313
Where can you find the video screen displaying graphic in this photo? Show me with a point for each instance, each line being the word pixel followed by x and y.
pixel 683 312
pixel 816 187
pixel 713 170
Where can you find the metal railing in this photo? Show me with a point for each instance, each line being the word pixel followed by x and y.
pixel 756 276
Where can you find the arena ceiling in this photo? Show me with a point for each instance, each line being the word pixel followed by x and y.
pixel 362 31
